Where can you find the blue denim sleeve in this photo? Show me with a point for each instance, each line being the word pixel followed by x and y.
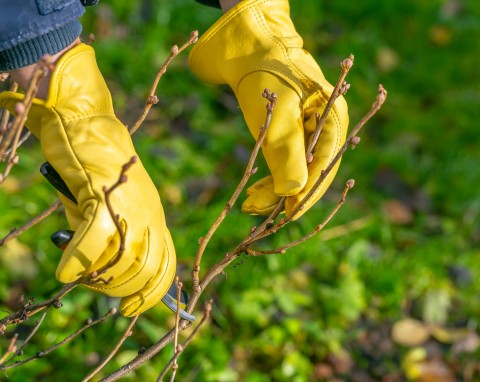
pixel 27 19
pixel 31 28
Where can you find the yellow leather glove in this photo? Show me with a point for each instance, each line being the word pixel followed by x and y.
pixel 255 46
pixel 87 145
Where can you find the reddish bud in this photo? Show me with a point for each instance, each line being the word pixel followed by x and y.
pixel 354 141
pixel 152 100
pixel 382 94
pixel 194 37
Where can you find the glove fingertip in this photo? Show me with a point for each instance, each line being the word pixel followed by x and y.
pixel 131 308
pixel 260 204
pixel 65 275
pixel 289 187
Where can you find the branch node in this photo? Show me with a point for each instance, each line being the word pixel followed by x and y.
pixel 354 142
pixel 194 37
pixel 152 100
pixel 174 50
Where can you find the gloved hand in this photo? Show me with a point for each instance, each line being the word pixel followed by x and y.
pixel 255 46
pixel 87 145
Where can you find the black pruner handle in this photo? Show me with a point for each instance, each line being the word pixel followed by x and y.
pixel 56 180
pixel 62 238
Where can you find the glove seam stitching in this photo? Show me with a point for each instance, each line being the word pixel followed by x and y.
pixel 81 118
pixel 160 279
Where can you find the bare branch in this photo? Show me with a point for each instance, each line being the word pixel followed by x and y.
pixel 16 232
pixel 4 125
pixel 126 334
pixel 41 354
pixel 12 348
pixel 146 355
pixel 340 88
pixel 31 309
pixel 345 229
pixel 152 99
pixel 19 350
pixel 173 360
pixel 22 109
pixel 116 219
pixel 203 242
pixel 332 213
pixel 22 140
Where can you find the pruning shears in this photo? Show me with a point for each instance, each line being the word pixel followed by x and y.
pixel 62 237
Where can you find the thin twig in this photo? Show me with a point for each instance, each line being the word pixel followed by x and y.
pixel 340 88
pixel 126 334
pixel 344 229
pixel 29 310
pixel 152 99
pixel 4 124
pixel 116 219
pixel 22 140
pixel 203 242
pixel 146 355
pixel 22 109
pixel 177 313
pixel 351 139
pixel 176 347
pixel 43 353
pixel 12 348
pixel 27 340
pixel 16 232
pixel 173 360
pixel 332 213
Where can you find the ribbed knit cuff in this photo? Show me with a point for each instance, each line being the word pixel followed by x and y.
pixel 212 3
pixel 29 52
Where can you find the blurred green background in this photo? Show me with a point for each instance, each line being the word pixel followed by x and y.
pixel 406 244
